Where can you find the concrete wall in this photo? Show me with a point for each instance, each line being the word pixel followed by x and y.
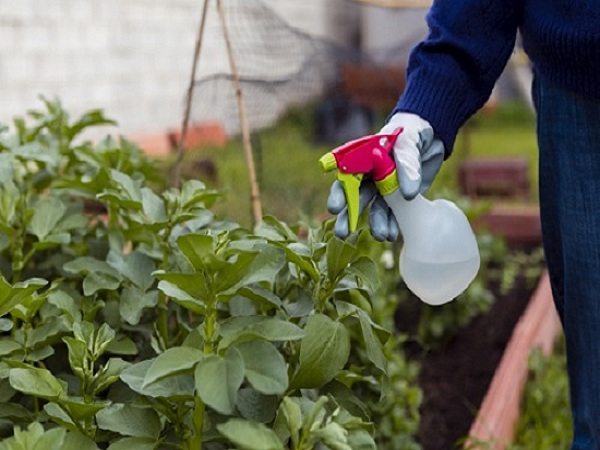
pixel 131 58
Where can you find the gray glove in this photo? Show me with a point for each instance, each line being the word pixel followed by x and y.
pixel 418 156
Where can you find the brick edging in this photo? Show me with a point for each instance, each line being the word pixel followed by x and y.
pixel 538 327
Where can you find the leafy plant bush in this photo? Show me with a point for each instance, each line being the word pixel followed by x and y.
pixel 545 421
pixel 155 325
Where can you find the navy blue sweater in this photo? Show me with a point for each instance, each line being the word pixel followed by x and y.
pixel 450 75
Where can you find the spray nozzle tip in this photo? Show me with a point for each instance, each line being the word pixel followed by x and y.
pixel 328 162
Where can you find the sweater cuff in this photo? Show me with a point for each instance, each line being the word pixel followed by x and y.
pixel 443 102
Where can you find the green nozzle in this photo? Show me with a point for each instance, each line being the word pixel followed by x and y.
pixel 328 162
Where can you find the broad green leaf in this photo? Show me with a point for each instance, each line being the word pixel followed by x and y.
pixel 133 301
pixel 66 304
pixel 122 345
pixel 77 355
pixel 339 256
pixel 109 374
pixel 268 329
pixel 153 207
pixel 7 347
pixel 129 420
pixel 39 354
pixel 28 307
pixel 47 332
pixel 175 387
pixel 102 338
pixel 367 271
pixel 218 379
pixel 35 438
pixel 192 192
pixel 372 342
pixel 36 382
pixel 324 351
pixel 266 264
pixel 78 409
pixel 134 266
pixel 199 250
pixel 94 117
pixel 46 216
pixel 232 275
pixel 193 284
pixel 10 296
pixel 248 435
pixel 273 228
pixel 260 296
pixel 129 187
pixel 78 441
pixel 333 435
pixel 180 296
pixel 303 262
pixel 289 420
pixel 6 392
pixel 15 412
pixel 133 443
pixel 265 368
pixel 99 275
pixel 173 361
pixel 360 439
pixel 255 406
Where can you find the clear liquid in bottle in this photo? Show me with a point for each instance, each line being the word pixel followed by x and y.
pixel 440 257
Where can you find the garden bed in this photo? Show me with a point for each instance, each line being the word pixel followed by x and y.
pixel 456 378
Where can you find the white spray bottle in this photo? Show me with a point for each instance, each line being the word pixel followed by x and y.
pixel 440 257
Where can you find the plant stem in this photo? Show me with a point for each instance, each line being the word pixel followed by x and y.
pixel 162 322
pixel 163 307
pixel 198 424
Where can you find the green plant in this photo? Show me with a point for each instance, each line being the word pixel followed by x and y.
pixel 545 421
pixel 155 325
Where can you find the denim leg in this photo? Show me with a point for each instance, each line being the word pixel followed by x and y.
pixel 568 129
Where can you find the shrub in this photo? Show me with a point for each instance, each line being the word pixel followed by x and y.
pixel 151 324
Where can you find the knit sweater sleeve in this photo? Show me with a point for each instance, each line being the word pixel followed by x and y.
pixel 451 74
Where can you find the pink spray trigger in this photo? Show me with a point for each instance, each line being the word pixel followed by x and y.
pixel 369 155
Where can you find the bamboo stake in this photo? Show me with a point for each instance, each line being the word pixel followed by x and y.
pixel 244 124
pixel 190 94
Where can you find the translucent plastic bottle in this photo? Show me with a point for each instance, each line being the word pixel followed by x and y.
pixel 440 257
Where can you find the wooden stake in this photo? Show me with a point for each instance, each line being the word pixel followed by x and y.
pixel 244 124
pixel 190 94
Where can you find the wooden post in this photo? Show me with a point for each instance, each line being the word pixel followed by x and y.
pixel 190 94
pixel 244 124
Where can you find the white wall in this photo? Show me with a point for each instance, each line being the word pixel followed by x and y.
pixel 131 58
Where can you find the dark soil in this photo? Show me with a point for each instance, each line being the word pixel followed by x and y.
pixel 455 379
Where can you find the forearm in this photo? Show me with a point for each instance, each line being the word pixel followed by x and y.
pixel 452 72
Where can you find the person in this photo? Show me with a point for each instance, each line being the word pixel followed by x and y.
pixel 450 75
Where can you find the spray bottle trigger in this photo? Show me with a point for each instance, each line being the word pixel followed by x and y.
pixel 351 184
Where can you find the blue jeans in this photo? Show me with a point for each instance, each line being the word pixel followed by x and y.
pixel 568 127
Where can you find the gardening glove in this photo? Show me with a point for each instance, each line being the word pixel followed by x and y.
pixel 418 156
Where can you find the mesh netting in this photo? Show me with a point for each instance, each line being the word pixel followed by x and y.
pixel 279 66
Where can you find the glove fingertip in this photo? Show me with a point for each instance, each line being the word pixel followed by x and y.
pixel 393 229
pixel 341 229
pixel 378 219
pixel 410 190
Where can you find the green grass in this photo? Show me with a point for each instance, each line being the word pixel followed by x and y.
pixel 294 188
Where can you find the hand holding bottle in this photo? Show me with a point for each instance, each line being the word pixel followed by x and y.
pixel 439 258
pixel 418 157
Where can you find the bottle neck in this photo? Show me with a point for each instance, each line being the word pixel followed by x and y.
pixel 406 212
